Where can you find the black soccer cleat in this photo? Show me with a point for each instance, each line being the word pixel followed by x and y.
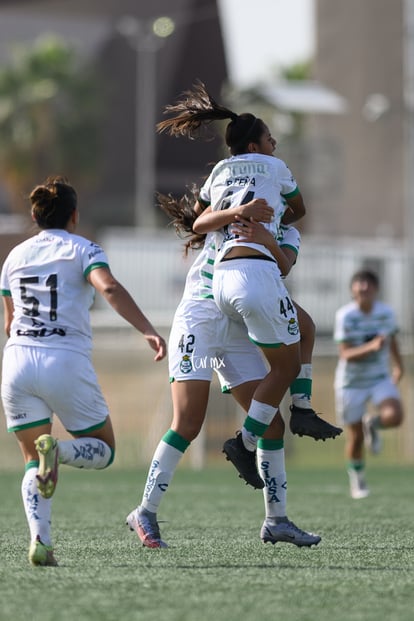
pixel 305 422
pixel 243 460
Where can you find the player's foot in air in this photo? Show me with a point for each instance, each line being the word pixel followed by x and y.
pixel 286 532
pixel 41 554
pixel 145 524
pixel 372 438
pixel 47 475
pixel 305 422
pixel 243 460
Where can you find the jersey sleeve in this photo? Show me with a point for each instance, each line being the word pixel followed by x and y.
pixel 289 186
pixel 205 192
pixel 93 257
pixel 289 237
pixel 5 290
pixel 340 331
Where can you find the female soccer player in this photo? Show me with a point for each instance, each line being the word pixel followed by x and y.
pixel 365 330
pixel 47 283
pixel 201 332
pixel 247 284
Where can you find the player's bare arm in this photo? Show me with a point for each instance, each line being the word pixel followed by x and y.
pixel 348 352
pixel 8 313
pixel 211 220
pixel 295 211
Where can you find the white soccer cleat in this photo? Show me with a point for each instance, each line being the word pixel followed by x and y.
pixel 357 485
pixel 287 532
pixel 145 524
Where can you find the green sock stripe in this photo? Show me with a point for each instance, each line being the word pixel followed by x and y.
pixel 111 458
pixel 174 439
pixel 356 465
pixel 301 385
pixel 270 445
pixel 254 426
pixel 34 463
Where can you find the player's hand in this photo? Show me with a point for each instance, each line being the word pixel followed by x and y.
pixel 258 209
pixel 158 344
pixel 251 231
pixel 377 342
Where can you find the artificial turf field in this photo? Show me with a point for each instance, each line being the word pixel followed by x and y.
pixel 216 568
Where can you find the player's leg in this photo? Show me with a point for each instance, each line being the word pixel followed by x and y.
pixel 350 408
pixel 271 463
pixel 37 509
pixel 83 411
pixel 28 416
pixel 386 398
pixel 256 294
pixel 241 450
pixel 190 399
pixel 354 454
pixel 304 421
pixel 193 342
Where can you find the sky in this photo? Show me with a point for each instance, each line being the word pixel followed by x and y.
pixel 261 36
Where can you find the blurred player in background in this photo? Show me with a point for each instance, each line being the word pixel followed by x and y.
pixel 365 330
pixel 48 284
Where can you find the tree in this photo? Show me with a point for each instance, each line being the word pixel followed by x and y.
pixel 50 115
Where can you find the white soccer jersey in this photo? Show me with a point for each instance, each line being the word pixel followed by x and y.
pixel 289 237
pixel 198 283
pixel 239 179
pixel 355 327
pixel 46 278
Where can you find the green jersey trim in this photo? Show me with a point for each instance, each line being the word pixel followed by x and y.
pixel 5 293
pixel 295 250
pixel 94 266
pixel 292 194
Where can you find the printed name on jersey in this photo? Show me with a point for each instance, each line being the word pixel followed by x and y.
pixel 241 181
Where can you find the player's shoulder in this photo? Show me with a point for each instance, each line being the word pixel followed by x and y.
pixel 21 248
pixel 384 308
pixel 346 310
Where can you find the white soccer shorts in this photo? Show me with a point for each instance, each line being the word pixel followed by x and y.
pixel 40 381
pixel 252 290
pixel 351 403
pixel 203 341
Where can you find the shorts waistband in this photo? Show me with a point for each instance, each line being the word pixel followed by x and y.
pixel 262 257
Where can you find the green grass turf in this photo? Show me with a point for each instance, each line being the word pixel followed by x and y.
pixel 216 568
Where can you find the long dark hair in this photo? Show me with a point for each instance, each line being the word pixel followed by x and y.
pixel 182 215
pixel 196 109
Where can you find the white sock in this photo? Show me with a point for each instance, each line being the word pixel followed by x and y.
pixel 301 387
pixel 271 466
pixel 161 471
pixel 258 418
pixel 38 509
pixel 89 453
